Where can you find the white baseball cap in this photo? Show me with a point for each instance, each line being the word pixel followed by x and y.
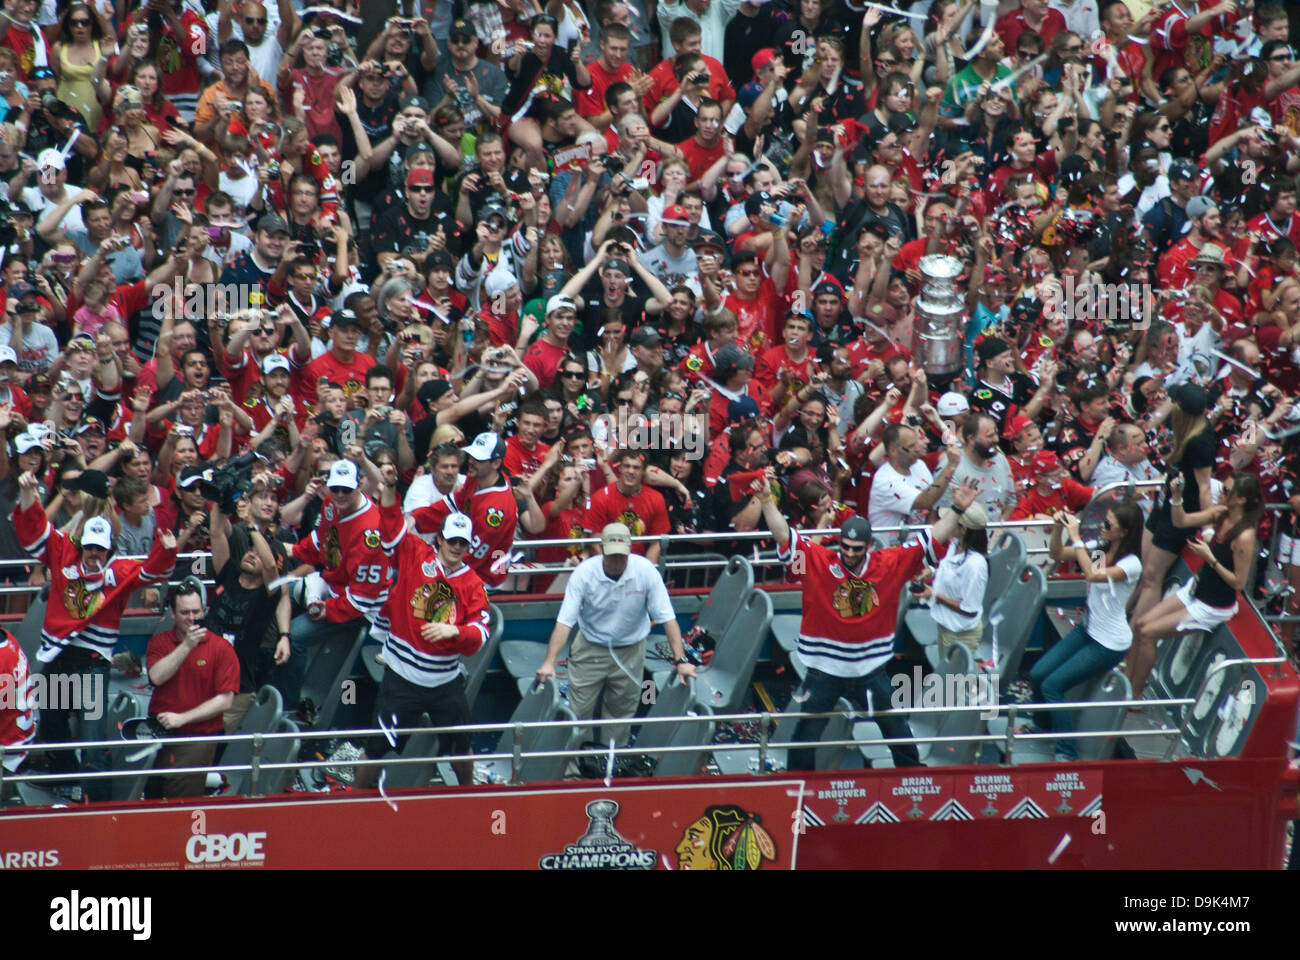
pixel 98 532
pixel 616 539
pixel 26 441
pixel 486 446
pixel 50 157
pixel 275 361
pixel 560 302
pixel 499 281
pixel 343 474
pixel 951 404
pixel 457 526
pixel 7 354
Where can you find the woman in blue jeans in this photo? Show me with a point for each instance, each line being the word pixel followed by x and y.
pixel 1101 641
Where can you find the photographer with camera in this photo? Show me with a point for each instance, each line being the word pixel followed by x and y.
pixel 226 96
pixel 195 675
pixel 245 611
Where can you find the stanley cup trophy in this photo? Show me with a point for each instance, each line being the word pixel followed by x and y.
pixel 939 309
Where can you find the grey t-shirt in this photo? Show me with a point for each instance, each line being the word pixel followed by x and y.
pixel 491 83
pixel 136 541
pixel 997 486
pixel 669 269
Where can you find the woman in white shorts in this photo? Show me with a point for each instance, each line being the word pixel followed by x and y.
pixel 1210 597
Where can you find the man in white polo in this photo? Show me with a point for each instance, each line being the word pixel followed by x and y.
pixel 613 599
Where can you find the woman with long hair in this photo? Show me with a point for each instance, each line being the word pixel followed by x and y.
pixel 1095 646
pixel 80 63
pixel 158 110
pixel 957 594
pixel 1192 458
pixel 1210 597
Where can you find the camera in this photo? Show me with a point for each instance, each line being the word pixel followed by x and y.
pixel 273 168
pixel 613 164
pixel 229 483
pixel 184 431
pixel 322 32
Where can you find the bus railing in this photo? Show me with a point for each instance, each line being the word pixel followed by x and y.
pixel 517 755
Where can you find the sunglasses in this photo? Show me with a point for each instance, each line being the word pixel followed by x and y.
pixel 1280 57
pixel 890 62
pixel 462 40
pixel 421 189
pixel 255 19
pixel 746 273
pixel 184 193
pixel 1074 49
pixel 573 375
pixel 266 331
pixel 845 548
pixel 78 22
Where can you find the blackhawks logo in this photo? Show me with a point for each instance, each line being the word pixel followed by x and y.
pixel 855 598
pixel 80 602
pixel 434 603
pixel 333 555
pixel 694 363
pixel 630 520
pixel 495 517
pixel 983 393
pixel 372 539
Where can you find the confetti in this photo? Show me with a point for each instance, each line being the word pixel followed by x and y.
pixel 1060 848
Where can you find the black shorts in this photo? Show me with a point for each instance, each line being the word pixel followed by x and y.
pixel 1163 532
pixel 446 706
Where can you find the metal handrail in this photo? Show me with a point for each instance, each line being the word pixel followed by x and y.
pixel 1217 668
pixel 518 755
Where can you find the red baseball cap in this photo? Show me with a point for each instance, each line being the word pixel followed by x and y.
pixel 419 177
pixel 761 59
pixel 1015 425
pixel 1046 462
pixel 675 216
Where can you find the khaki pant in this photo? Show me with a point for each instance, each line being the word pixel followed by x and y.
pixel 593 669
pixel 182 753
pixel 233 717
pixel 971 638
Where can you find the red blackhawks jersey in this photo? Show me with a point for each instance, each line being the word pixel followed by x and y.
pixel 643 513
pixel 495 516
pixel 351 551
pixel 424 592
pixel 17 713
pixel 848 621
pixel 83 611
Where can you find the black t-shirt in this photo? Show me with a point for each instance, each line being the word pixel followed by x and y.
pixel 243 615
pixel 743 38
pixel 1199 452
pixel 378 124
pixel 532 71
pixel 397 229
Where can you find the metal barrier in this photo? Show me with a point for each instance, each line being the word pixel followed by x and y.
pixel 665 542
pixel 517 755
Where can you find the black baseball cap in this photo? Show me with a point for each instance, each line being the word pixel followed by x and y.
pixel 460 28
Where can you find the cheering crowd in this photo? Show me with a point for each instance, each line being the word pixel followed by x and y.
pixel 554 268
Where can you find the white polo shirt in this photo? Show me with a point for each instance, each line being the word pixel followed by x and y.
pixel 615 613
pixel 893 493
